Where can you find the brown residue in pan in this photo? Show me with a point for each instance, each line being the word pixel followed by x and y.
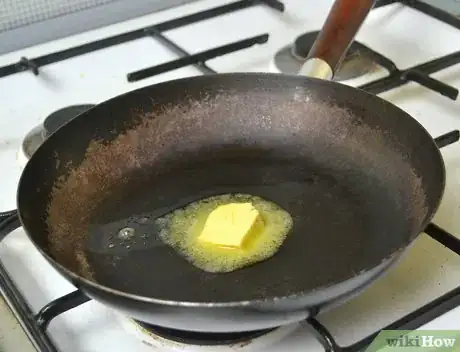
pixel 77 195
pixel 83 265
pixel 247 118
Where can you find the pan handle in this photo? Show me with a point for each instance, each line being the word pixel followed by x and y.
pixel 9 221
pixel 343 22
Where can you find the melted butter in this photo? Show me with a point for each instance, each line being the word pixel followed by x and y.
pixel 181 228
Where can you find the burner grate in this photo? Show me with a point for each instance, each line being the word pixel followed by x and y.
pixel 34 64
pixel 419 74
pixel 36 325
pixel 195 59
pixel 202 339
pixel 396 77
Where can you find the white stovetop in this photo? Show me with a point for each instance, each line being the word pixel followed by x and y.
pixel 404 35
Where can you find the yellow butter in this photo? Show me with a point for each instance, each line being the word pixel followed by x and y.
pixel 181 228
pixel 232 225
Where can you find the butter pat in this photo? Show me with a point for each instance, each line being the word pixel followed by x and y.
pixel 231 225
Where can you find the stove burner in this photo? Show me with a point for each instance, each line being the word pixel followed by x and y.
pixel 289 59
pixel 202 338
pixel 51 124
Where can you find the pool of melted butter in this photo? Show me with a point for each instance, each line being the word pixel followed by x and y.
pixel 181 228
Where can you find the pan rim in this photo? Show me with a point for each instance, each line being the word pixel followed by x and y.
pixel 245 303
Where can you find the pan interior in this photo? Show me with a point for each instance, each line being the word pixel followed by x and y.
pixel 334 229
pixel 353 185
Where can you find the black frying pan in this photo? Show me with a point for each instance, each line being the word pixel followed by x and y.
pixel 348 166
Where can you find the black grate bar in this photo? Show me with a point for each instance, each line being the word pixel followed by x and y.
pixel 59 306
pixel 381 3
pixel 17 303
pixel 434 12
pixel 323 335
pixel 440 63
pixel 26 64
pixel 57 56
pixel 274 4
pixel 447 139
pixel 9 221
pixel 431 83
pixel 196 58
pixel 5 215
pixel 443 237
pixel 35 63
pixel 178 50
pixel 400 78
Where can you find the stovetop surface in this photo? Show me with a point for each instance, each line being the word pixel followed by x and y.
pixel 408 37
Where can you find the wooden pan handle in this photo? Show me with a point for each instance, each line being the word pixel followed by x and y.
pixel 343 22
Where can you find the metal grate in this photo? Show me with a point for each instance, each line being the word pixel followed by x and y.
pixel 33 64
pixel 36 325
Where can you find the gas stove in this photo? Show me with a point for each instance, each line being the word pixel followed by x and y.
pixel 407 52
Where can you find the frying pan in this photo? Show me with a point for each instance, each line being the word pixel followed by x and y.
pixel 348 166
